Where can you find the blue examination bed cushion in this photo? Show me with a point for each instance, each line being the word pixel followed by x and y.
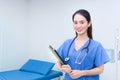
pixel 32 70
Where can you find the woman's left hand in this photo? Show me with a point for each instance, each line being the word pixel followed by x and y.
pixel 76 74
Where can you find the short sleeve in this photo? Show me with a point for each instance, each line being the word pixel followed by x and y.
pixel 63 49
pixel 101 56
pixel 60 51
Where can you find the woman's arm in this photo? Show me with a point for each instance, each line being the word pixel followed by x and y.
pixel 95 71
pixel 78 73
pixel 58 65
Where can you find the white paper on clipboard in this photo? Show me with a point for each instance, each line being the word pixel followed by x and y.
pixel 56 54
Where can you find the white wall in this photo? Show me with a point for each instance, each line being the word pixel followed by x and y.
pixel 13 33
pixel 51 23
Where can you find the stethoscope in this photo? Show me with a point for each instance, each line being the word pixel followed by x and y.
pixel 87 50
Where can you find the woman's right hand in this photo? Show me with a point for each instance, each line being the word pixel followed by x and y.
pixel 64 68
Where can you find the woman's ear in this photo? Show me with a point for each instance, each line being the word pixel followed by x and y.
pixel 89 24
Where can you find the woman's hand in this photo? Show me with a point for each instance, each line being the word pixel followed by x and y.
pixel 64 68
pixel 76 74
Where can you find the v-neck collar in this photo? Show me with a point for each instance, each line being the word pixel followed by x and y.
pixel 85 45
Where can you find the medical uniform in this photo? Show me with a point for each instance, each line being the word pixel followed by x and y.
pixel 95 57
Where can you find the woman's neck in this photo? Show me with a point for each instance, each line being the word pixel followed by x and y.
pixel 82 37
pixel 80 41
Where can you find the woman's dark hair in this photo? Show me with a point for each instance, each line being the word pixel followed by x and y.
pixel 86 14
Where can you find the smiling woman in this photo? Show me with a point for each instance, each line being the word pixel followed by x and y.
pixel 84 57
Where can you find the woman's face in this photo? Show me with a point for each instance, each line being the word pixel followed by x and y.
pixel 80 24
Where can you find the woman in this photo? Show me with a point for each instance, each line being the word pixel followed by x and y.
pixel 84 57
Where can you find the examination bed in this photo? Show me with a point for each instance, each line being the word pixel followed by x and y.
pixel 32 70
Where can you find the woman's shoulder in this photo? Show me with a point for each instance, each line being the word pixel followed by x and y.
pixel 67 42
pixel 96 45
pixel 95 42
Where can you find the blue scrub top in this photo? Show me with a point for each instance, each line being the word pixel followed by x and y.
pixel 95 57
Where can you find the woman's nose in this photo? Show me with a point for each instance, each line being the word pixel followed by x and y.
pixel 78 25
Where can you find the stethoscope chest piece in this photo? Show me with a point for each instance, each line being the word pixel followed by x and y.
pixel 67 59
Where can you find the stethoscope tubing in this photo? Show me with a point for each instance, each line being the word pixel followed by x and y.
pixel 67 57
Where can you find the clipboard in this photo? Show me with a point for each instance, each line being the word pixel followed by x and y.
pixel 55 53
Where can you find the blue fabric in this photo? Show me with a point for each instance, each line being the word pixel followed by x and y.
pixel 23 75
pixel 37 66
pixel 19 75
pixel 52 74
pixel 96 56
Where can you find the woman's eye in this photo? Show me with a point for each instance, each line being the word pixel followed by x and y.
pixel 81 22
pixel 75 22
